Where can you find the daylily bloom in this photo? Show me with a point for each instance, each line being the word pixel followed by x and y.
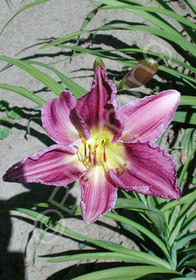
pixel 104 147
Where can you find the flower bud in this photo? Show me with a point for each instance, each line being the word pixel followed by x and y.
pixel 98 62
pixel 141 73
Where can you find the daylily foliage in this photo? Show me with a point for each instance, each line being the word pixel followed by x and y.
pixel 104 147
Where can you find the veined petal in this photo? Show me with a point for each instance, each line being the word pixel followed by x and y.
pixel 98 194
pixel 60 120
pixel 57 165
pixel 146 119
pixel 99 108
pixel 150 170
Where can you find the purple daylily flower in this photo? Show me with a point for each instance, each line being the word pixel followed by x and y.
pixel 104 147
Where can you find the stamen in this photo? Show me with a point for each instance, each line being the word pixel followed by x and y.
pixel 94 158
pixel 104 151
pixel 85 143
pixel 85 154
pixel 89 154
pixel 83 140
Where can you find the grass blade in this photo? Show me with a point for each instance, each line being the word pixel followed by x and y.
pixel 24 92
pixel 37 74
pixel 192 6
pixel 99 256
pixel 169 13
pixel 112 247
pixel 185 167
pixel 126 272
pixel 37 2
pixel 75 88
pixel 188 118
pixel 142 229
pixel 175 203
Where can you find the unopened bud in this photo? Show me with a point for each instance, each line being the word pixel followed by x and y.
pixel 98 62
pixel 141 73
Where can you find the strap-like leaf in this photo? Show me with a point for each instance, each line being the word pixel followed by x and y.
pixel 128 273
pixel 75 88
pixel 37 74
pixel 37 2
pixel 24 92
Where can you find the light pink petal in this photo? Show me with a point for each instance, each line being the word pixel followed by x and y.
pixel 60 120
pixel 99 108
pixel 150 170
pixel 57 165
pixel 98 194
pixel 146 119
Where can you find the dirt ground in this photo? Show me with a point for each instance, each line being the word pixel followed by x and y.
pixel 21 39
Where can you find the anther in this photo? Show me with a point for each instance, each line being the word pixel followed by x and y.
pixel 83 140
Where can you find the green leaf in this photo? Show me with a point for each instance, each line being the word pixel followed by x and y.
pixel 125 272
pixel 75 88
pixel 108 53
pixel 190 263
pixel 4 132
pixel 37 74
pixel 180 219
pixel 187 144
pixel 188 118
pixel 4 105
pixel 5 121
pixel 41 237
pixel 111 247
pixel 15 113
pixel 130 203
pixel 152 14
pixel 191 5
pixel 142 229
pixel 169 13
pixel 24 92
pixel 98 256
pixel 21 10
pixel 188 100
pixel 104 54
pixel 191 179
pixel 188 222
pixel 125 25
pixel 183 278
pixel 175 203
pixel 186 165
pixel 87 19
pixel 186 239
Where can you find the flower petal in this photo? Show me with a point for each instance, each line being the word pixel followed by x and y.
pixel 60 120
pixel 146 119
pixel 98 194
pixel 57 165
pixel 99 107
pixel 150 170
